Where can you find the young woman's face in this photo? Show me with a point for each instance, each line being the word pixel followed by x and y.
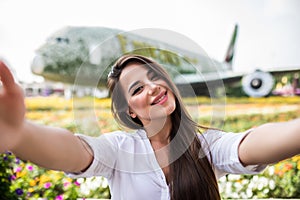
pixel 149 97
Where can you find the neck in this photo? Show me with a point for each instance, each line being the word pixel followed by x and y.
pixel 159 130
pixel 159 139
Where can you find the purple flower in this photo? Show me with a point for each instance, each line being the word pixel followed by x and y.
pixel 19 191
pixel 47 185
pixel 59 197
pixel 12 177
pixel 17 161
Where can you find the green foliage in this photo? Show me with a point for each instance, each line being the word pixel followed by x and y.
pixel 281 180
pixel 6 176
pixel 235 91
pixel 286 175
pixel 24 180
pixel 32 181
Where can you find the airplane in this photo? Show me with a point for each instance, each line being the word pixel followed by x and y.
pixel 83 56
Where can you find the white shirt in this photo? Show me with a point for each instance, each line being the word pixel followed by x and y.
pixel 128 162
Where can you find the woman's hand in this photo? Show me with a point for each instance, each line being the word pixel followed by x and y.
pixel 49 147
pixel 12 109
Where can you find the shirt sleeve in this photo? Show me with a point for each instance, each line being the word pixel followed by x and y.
pixel 105 149
pixel 223 148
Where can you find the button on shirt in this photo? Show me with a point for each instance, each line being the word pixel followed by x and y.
pixel 128 162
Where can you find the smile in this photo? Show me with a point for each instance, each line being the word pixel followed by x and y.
pixel 160 99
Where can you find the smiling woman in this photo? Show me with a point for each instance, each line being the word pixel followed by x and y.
pixel 151 102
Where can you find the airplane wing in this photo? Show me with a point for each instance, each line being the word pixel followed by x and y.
pixel 256 84
pixel 283 70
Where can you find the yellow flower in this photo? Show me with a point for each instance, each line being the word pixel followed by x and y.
pixel 30 189
pixel 44 178
pixel 279 172
pixel 21 174
pixel 296 158
pixel 67 179
pixel 55 175
pixel 32 183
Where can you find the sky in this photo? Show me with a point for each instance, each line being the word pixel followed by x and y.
pixel 269 30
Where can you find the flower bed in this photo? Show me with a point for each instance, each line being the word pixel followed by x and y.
pixel 22 180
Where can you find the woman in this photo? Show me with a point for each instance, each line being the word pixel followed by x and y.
pixel 166 157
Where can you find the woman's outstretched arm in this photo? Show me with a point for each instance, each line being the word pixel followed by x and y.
pixel 49 147
pixel 271 143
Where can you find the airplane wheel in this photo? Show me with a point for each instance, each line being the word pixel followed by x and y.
pixel 258 84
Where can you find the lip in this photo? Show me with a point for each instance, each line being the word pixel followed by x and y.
pixel 162 94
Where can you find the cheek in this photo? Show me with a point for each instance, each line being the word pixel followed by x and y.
pixel 137 102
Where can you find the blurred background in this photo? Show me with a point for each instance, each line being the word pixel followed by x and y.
pixel 268 36
pixel 268 39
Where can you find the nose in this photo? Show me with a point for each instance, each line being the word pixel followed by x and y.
pixel 153 88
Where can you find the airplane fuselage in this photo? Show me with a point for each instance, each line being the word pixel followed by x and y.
pixel 84 55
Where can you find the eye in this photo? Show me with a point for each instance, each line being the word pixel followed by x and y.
pixel 137 90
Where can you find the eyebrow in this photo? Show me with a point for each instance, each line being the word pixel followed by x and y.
pixel 137 82
pixel 134 84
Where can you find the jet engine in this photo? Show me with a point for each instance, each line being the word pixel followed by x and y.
pixel 258 84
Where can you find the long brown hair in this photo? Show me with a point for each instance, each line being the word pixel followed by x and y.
pixel 191 173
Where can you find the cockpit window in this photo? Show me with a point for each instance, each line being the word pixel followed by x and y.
pixel 62 40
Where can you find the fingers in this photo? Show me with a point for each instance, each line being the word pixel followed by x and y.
pixel 6 76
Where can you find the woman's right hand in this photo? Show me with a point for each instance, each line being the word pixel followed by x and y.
pixel 12 109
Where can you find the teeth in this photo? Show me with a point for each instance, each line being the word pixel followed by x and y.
pixel 161 98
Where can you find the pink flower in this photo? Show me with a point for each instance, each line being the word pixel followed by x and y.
pixel 59 197
pixel 30 168
pixel 66 184
pixel 76 183
pixel 18 169
pixel 47 185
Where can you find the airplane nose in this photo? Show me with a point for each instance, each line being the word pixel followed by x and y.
pixel 38 64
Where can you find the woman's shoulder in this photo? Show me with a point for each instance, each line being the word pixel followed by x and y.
pixel 216 136
pixel 212 134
